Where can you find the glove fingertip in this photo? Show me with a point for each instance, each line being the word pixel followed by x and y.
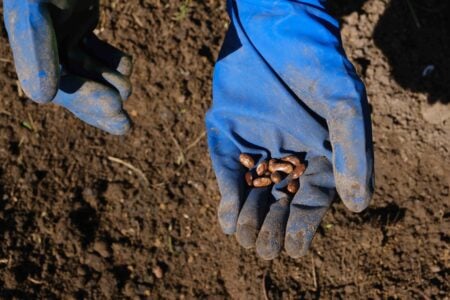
pixel 358 204
pixel 227 220
pixel 356 196
pixel 119 125
pixel 125 66
pixel 228 229
pixel 269 244
pixel 41 89
pixel 93 103
pixel 121 83
pixel 295 244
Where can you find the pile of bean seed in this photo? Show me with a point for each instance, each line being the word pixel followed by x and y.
pixel 273 171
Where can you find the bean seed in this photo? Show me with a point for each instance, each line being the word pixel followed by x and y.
pixel 262 168
pixel 273 171
pixel 292 159
pixel 276 177
pixel 293 186
pixel 249 178
pixel 247 161
pixel 271 163
pixel 298 171
pixel 286 168
pixel 262 182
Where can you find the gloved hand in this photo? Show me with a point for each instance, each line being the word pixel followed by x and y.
pixel 58 59
pixel 283 85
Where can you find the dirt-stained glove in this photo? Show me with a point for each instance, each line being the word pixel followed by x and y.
pixel 283 85
pixel 58 59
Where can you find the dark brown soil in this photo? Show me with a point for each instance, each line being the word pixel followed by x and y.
pixel 76 225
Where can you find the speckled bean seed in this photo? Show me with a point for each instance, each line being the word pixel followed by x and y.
pixel 247 161
pixel 276 177
pixel 298 171
pixel 286 168
pixel 293 186
pixel 249 178
pixel 262 182
pixel 292 159
pixel 262 168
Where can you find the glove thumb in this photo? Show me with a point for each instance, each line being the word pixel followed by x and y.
pixel 350 135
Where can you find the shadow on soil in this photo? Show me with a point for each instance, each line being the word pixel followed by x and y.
pixel 414 35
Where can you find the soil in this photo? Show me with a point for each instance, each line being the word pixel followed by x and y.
pixel 75 224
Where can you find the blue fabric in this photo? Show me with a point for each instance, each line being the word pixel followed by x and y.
pixel 54 37
pixel 283 85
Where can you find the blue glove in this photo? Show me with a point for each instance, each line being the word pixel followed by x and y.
pixel 283 85
pixel 58 59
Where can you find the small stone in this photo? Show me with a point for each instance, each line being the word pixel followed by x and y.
pixel 435 269
pixel 102 249
pixel 158 272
